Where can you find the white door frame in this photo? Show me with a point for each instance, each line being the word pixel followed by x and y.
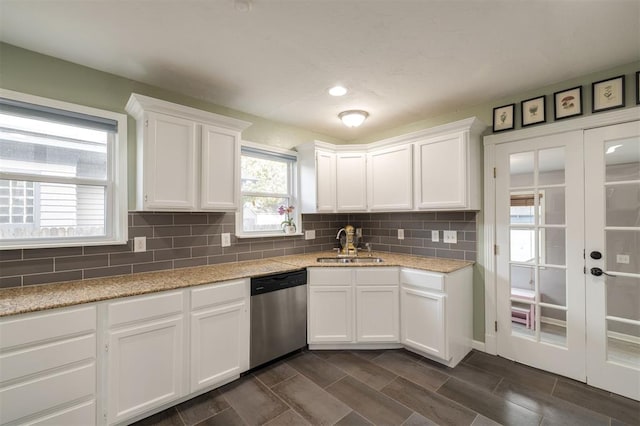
pixel 488 262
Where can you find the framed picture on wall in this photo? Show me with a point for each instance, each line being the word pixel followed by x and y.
pixel 503 118
pixel 567 103
pixel 608 94
pixel 533 111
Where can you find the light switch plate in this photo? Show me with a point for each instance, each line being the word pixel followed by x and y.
pixel 225 239
pixel 310 235
pixel 359 232
pixel 401 234
pixel 140 244
pixel 435 236
pixel 450 237
pixel 622 258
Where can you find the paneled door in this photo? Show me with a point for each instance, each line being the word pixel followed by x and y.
pixel 539 261
pixel 612 242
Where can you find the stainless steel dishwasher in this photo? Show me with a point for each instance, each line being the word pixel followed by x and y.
pixel 278 316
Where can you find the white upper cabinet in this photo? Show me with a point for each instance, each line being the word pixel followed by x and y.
pixel 351 181
pixel 447 168
pixel 187 159
pixel 432 169
pixel 389 178
pixel 325 181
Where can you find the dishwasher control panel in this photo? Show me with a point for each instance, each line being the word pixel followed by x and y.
pixel 269 283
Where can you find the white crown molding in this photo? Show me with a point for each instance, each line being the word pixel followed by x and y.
pixel 582 123
pixel 138 104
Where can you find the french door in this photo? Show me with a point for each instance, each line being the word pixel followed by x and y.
pixel 568 261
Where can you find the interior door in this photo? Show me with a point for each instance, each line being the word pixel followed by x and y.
pixel 612 159
pixel 539 236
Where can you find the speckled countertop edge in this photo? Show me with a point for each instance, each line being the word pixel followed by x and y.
pixel 19 300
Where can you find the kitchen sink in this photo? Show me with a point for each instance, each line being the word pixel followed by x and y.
pixel 349 260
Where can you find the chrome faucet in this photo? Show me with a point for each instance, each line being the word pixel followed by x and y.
pixel 339 231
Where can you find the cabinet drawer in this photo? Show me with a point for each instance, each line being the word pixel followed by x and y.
pixel 422 279
pixel 377 276
pixel 47 326
pixel 144 308
pixel 215 294
pixel 46 393
pixel 78 415
pixel 329 276
pixel 42 358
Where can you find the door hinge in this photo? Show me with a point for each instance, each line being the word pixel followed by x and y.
pixel 494 172
pixel 495 249
pixel 106 347
pixel 584 270
pixel 495 325
pixel 145 197
pixel 146 123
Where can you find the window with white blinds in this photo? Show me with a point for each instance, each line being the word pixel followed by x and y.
pixel 62 174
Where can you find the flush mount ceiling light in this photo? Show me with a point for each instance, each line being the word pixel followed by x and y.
pixel 243 5
pixel 353 118
pixel 338 91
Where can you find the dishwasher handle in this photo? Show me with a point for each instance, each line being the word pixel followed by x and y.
pixel 269 283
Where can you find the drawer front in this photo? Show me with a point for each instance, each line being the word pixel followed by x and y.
pixel 215 294
pixel 423 279
pixel 33 328
pixel 39 359
pixel 46 393
pixel 144 308
pixel 377 276
pixel 329 276
pixel 78 415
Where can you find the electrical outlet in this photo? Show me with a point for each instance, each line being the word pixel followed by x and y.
pixel 435 236
pixel 401 234
pixel 622 258
pixel 310 235
pixel 359 232
pixel 225 239
pixel 450 237
pixel 140 244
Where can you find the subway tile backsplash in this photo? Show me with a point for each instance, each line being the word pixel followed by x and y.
pixel 180 240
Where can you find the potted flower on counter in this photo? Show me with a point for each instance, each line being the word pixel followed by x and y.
pixel 287 225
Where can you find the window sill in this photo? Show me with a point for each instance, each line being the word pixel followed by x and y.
pixel 267 234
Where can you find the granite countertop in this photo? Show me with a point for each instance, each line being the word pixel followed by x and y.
pixel 20 300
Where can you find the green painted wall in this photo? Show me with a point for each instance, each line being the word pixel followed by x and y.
pixel 30 72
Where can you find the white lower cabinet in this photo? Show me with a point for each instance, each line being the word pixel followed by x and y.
pixel 436 313
pixel 353 305
pixel 145 354
pixel 219 333
pixel 48 367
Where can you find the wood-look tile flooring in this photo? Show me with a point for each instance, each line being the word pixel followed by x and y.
pixel 396 387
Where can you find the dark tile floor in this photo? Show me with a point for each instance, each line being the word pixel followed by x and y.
pixel 396 387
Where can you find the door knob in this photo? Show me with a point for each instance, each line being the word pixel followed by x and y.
pixel 595 255
pixel 596 272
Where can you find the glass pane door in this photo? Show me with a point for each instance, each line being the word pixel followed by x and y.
pixel 613 258
pixel 539 185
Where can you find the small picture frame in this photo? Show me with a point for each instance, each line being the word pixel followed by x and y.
pixel 638 87
pixel 567 103
pixel 533 111
pixel 503 118
pixel 608 94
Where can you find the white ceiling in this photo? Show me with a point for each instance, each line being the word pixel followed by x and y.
pixel 403 60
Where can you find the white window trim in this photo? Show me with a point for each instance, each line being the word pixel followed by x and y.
pixel 117 221
pixel 295 185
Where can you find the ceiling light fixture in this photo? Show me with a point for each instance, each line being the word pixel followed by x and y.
pixel 243 5
pixel 338 91
pixel 353 118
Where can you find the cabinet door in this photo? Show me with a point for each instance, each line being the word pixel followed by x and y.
pixel 377 314
pixel 169 163
pixel 219 344
pixel 220 169
pixel 351 182
pixel 325 181
pixel 441 172
pixel 423 321
pixel 389 178
pixel 330 314
pixel 144 367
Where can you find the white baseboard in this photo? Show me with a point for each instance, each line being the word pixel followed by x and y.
pixel 477 345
